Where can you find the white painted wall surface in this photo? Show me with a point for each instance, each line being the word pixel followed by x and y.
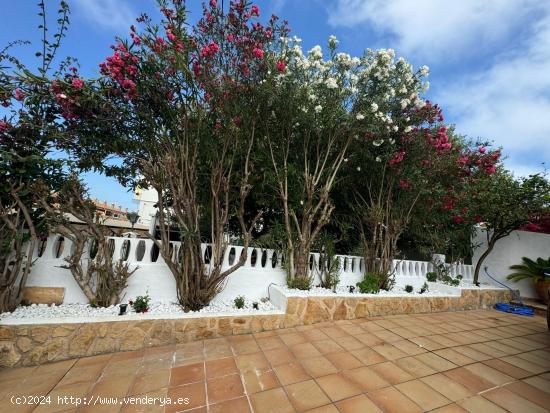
pixel 262 268
pixel 509 251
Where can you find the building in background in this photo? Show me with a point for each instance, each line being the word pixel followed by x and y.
pixel 147 207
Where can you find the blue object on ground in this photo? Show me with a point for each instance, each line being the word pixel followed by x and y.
pixel 509 307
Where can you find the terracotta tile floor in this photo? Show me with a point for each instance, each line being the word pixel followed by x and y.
pixel 477 361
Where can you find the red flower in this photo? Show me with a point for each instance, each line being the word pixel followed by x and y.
pixel 4 126
pixel 259 53
pixel 281 66
pixel 170 35
pixel 255 10
pixel 481 149
pixel 77 83
pixel 457 219
pixel 404 184
pixel 19 95
pixel 131 302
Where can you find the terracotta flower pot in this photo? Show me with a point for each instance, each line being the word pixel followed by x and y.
pixel 542 289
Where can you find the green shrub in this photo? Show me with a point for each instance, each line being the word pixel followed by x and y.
pixel 529 270
pixel 459 277
pixel 431 276
pixel 141 304
pixel 370 284
pixel 455 282
pixel 300 283
pixel 409 288
pixel 424 288
pixel 239 302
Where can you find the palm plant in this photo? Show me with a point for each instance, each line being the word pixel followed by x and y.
pixel 530 269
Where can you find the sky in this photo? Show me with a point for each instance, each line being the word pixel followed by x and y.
pixel 489 60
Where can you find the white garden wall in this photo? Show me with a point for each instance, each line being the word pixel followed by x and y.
pixel 509 251
pixel 262 268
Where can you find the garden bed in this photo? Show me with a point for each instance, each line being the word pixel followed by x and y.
pixel 31 341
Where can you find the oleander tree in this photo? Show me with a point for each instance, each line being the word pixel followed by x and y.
pixel 306 136
pixel 27 138
pixel 186 103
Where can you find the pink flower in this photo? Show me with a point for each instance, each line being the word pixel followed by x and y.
pixel 4 126
pixel 77 83
pixel 230 37
pixel 281 66
pixel 19 95
pixel 255 10
pixel 213 4
pixel 482 149
pixel 404 184
pixel 258 53
pixel 170 35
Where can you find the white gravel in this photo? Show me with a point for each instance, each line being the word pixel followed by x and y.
pixel 85 311
pixel 397 291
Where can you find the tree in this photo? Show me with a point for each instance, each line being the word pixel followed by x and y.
pixel 306 136
pixel 186 105
pixel 504 204
pixel 27 136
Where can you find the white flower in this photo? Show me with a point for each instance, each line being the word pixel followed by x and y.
pixel 378 142
pixel 378 159
pixel 332 41
pixel 374 107
pixel 419 103
pixel 395 128
pixel 301 202
pixel 316 53
pixel 392 141
pixel 331 83
pixel 407 129
pixel 296 39
pixel 318 109
pixel 424 70
pixel 345 159
pixel 425 87
pixel 405 103
pixel 360 116
pixel 358 168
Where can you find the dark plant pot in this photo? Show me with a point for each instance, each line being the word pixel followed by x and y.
pixel 351 288
pixel 255 306
pixel 123 308
pixel 542 290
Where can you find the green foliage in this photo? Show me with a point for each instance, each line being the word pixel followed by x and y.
pixel 239 302
pixel 530 270
pixel 431 276
pixel 299 282
pixel 409 288
pixel 329 264
pixel 141 303
pixel 370 284
pixel 424 288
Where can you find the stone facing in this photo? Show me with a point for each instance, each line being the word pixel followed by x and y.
pixel 25 345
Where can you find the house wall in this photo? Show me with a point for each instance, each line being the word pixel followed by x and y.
pixel 509 251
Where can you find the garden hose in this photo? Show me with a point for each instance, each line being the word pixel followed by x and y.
pixel 509 307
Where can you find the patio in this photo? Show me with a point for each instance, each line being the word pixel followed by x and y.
pixel 478 361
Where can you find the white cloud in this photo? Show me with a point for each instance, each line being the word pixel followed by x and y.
pixel 510 101
pixel 431 29
pixel 106 14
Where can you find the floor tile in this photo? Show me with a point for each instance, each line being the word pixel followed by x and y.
pixel 149 382
pixel 306 395
pixel 318 366
pixel 257 381
pixel 391 372
pixel 511 401
pixel 194 394
pixel 220 367
pixel 253 361
pixel 224 388
pixel 360 403
pixel 338 386
pixel 392 400
pixel 239 405
pixel 422 394
pixel 468 379
pixel 187 374
pixel 271 401
pixel 290 373
pixel 305 350
pixel 449 388
pixel 531 393
pixel 366 378
pixel 414 367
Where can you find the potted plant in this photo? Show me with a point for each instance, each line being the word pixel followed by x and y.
pixel 533 270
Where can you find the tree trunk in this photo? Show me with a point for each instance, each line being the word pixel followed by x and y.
pixel 490 247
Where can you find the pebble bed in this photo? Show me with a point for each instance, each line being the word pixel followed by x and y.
pixel 43 311
pixel 397 291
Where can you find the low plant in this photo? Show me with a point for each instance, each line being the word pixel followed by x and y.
pixel 300 283
pixel 141 303
pixel 431 276
pixel 409 288
pixel 239 302
pixel 424 288
pixel 370 284
pixel 329 264
pixel 530 269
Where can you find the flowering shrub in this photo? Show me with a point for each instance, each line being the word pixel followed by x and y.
pixel 141 303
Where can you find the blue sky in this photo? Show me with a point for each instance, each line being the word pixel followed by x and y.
pixel 489 60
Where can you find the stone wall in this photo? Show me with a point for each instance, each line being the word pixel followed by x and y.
pixel 23 345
